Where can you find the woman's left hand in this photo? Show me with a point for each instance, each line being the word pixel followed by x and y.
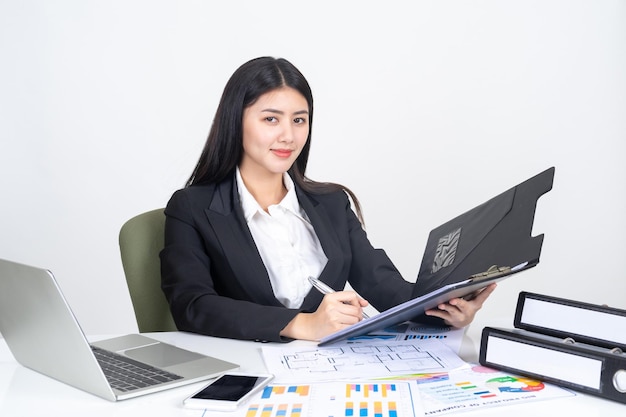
pixel 459 312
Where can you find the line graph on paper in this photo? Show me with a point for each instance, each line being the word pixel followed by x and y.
pixel 376 359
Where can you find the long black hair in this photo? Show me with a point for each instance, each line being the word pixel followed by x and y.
pixel 223 149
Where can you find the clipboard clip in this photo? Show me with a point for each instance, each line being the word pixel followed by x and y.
pixel 493 272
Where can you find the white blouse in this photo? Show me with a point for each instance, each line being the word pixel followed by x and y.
pixel 286 242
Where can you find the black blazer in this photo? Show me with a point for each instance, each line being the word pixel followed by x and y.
pixel 216 282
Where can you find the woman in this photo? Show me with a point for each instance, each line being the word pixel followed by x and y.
pixel 249 228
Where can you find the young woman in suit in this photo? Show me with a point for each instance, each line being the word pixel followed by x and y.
pixel 249 228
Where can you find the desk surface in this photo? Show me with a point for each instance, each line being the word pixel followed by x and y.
pixel 27 393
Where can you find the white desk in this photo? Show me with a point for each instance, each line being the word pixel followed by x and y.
pixel 24 393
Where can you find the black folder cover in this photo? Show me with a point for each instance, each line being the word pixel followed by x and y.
pixel 488 243
pixel 497 232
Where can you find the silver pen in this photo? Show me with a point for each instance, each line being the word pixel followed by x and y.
pixel 325 289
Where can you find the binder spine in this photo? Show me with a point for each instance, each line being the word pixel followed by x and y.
pixel 559 317
pixel 590 369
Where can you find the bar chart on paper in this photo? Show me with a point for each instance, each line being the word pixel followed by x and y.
pixel 345 399
pixel 376 400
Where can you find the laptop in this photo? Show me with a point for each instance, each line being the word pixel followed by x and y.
pixel 43 334
pixel 486 244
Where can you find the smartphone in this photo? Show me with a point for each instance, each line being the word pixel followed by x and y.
pixel 228 391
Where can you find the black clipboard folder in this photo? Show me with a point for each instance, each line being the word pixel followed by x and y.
pixel 483 245
pixel 549 348
pixel 497 232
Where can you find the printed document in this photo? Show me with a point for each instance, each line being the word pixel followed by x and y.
pixel 363 398
pixel 305 361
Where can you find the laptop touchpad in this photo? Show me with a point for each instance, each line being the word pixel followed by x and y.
pixel 162 355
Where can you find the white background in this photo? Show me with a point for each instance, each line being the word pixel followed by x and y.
pixel 424 108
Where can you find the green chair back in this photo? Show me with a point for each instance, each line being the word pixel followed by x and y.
pixel 141 239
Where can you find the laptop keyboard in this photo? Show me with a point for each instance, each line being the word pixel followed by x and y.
pixel 126 374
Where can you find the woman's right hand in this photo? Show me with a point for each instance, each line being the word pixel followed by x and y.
pixel 336 311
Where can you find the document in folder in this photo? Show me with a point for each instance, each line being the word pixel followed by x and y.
pixel 483 245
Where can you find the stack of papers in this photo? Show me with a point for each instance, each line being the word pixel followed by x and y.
pixel 384 376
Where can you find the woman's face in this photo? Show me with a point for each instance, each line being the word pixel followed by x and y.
pixel 275 129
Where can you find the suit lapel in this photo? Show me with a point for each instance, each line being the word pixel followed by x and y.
pixel 226 217
pixel 331 274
